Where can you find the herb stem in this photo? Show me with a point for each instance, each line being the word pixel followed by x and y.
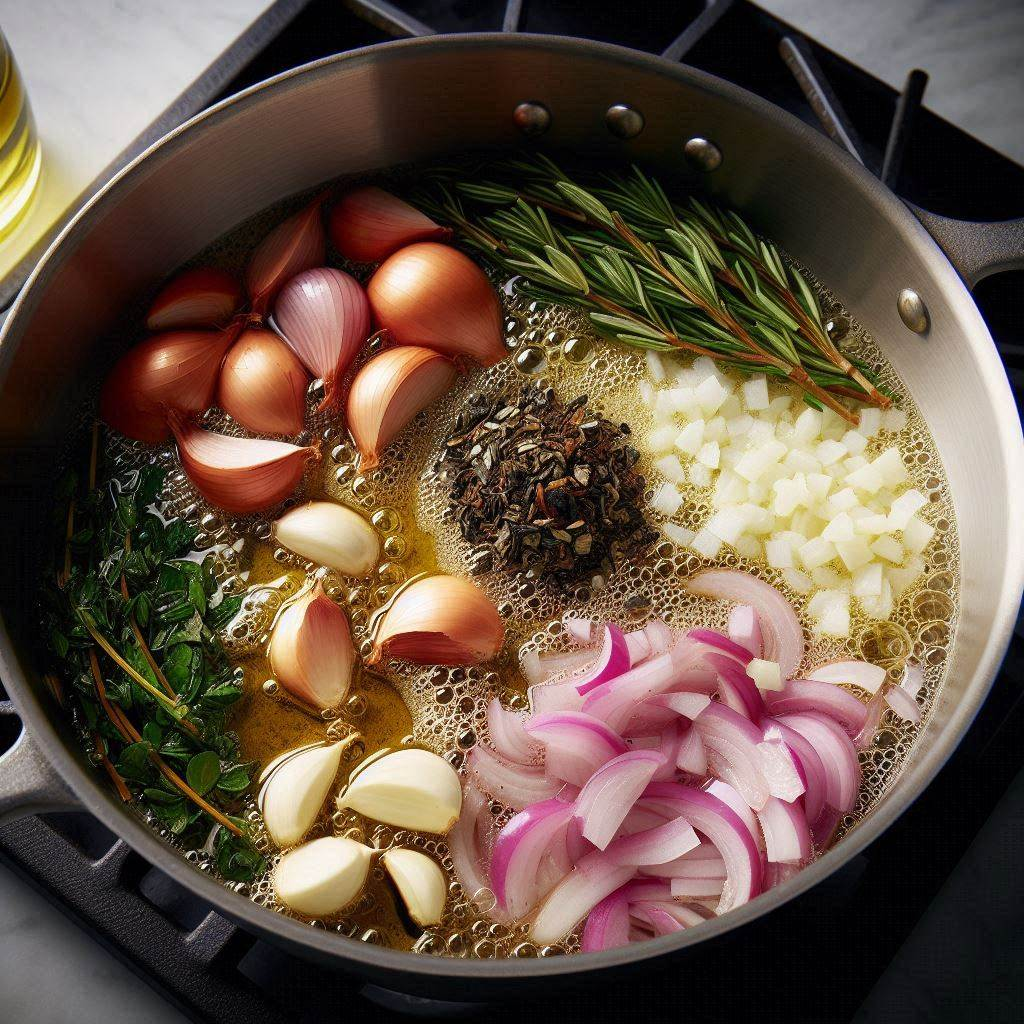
pixel 131 735
pixel 100 747
pixel 137 633
pixel 176 709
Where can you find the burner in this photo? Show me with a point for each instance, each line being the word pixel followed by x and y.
pixel 846 930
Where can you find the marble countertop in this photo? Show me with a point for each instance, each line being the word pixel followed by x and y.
pixel 99 72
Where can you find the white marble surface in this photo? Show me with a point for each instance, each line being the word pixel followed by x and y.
pixel 973 51
pixel 98 73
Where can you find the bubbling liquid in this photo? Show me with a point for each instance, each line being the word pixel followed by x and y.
pixel 443 709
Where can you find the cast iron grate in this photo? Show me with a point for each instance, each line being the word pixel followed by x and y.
pixel 215 972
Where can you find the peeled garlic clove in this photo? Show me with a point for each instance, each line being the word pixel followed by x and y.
pixel 440 620
pixel 389 391
pixel 322 877
pixel 330 534
pixel 409 789
pixel 239 474
pixel 311 649
pixel 420 883
pixel 295 790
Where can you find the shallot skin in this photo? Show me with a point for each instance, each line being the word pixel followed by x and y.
pixel 175 371
pixel 368 224
pixel 433 295
pixel 202 297
pixel 263 384
pixel 296 244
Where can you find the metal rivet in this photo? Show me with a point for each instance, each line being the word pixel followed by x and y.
pixel 624 122
pixel 703 154
pixel 532 118
pixel 913 311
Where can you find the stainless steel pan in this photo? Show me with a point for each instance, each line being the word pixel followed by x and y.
pixel 421 99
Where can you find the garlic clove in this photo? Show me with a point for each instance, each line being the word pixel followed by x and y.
pixel 295 245
pixel 409 788
pixel 311 649
pixel 368 224
pixel 331 535
pixel 420 883
pixel 389 391
pixel 203 297
pixel 239 474
pixel 439 620
pixel 263 385
pixel 295 790
pixel 322 877
pixel 284 756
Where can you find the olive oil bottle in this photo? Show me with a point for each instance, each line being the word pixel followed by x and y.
pixel 20 157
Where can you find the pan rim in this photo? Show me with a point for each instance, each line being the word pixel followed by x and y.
pixel 275 927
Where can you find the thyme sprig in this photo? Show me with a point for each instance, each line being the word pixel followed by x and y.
pixel 132 621
pixel 649 272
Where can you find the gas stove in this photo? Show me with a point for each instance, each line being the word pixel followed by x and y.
pixel 927 924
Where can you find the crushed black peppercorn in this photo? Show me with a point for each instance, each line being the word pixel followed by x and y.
pixel 546 487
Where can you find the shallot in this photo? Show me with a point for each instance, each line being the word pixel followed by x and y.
pixel 368 224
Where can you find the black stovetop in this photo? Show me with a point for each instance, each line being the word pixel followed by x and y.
pixel 927 924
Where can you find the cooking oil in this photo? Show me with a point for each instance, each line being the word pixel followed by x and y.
pixel 444 709
pixel 20 154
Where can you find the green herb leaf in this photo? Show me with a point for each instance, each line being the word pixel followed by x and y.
pixel 203 771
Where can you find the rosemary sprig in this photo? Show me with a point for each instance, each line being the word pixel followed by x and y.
pixel 651 273
pixel 132 622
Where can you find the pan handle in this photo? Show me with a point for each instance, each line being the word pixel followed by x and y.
pixel 976 248
pixel 28 785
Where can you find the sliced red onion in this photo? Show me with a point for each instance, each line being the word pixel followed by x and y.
pixel 691 756
pixel 657 845
pixel 688 705
pixel 731 744
pixel 580 630
pixel 658 918
pixel 815 786
pixel 780 628
pixel 723 827
pixel 787 838
pixel 782 770
pixel 699 888
pixel 507 735
pixel 860 673
pixel 799 695
pixel 776 874
pixel 612 661
pixel 659 635
pixel 607 797
pixel 545 697
pixel 614 701
pixel 466 847
pixel 593 878
pixel 732 799
pixel 745 629
pixel 607 924
pixel 639 646
pixel 875 709
pixel 575 744
pixel 903 704
pixel 648 720
pixel 539 667
pixel 736 689
pixel 720 642
pixel 641 818
pixel 838 757
pixel 707 869
pixel 514 785
pixel 913 680
pixel 689 917
pixel 522 866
